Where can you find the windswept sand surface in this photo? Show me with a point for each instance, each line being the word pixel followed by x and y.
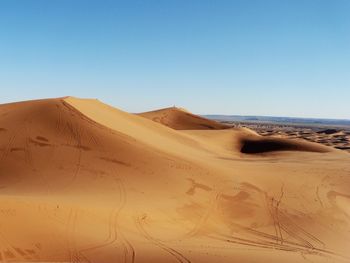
pixel 84 182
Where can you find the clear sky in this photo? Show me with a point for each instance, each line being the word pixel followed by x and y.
pixel 248 57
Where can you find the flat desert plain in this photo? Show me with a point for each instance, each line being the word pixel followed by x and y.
pixel 81 181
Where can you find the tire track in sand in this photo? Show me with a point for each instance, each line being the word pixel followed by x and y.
pixel 176 254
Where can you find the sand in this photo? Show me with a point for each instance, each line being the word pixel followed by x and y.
pixel 82 181
pixel 181 119
pixel 333 136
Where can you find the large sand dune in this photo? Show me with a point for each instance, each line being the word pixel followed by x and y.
pixel 84 182
pixel 180 119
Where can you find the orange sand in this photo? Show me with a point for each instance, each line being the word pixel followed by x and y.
pixel 85 182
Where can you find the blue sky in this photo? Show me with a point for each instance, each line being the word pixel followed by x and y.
pixel 249 57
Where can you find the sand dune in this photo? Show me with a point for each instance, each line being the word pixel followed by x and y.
pixel 180 119
pixel 85 182
pixel 337 137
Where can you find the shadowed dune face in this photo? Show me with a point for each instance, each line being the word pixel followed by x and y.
pixel 81 181
pixel 265 145
pixel 338 138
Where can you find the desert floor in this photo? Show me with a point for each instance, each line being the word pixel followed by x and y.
pixel 81 181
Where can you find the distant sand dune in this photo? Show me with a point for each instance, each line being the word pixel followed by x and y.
pixel 81 181
pixel 180 119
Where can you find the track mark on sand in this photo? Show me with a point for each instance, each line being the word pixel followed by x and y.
pixel 277 213
pixel 114 232
pixel 176 254
pixel 8 147
pixel 318 196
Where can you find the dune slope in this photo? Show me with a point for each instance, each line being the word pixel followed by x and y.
pixel 180 119
pixel 81 181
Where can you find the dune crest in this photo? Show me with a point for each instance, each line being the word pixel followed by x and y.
pixel 81 181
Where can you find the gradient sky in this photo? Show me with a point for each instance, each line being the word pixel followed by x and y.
pixel 248 57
